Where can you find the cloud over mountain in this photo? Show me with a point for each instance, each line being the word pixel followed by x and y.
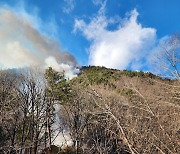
pixel 123 47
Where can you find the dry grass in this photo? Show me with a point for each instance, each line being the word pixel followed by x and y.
pixel 137 115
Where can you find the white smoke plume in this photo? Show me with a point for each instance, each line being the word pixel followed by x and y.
pixel 70 71
pixel 62 136
pixel 22 44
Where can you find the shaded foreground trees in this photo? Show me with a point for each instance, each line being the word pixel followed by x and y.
pixel 26 113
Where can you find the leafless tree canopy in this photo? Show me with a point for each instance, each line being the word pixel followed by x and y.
pixel 26 114
pixel 169 57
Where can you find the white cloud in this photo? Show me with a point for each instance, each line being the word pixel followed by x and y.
pixel 69 7
pixel 97 2
pixel 120 48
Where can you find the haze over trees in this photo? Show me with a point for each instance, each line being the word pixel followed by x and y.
pixel 102 110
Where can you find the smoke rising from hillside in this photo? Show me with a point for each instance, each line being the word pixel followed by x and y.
pixel 23 45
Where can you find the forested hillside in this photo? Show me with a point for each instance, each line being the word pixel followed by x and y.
pixel 102 110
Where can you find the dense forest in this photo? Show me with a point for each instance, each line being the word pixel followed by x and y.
pixel 102 110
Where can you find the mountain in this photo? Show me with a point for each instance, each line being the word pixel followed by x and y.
pixel 117 111
pixel 101 110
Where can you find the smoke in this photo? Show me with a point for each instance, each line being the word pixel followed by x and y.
pixel 22 44
pixel 70 71
pixel 62 135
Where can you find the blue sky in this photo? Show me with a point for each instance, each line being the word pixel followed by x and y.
pixel 89 29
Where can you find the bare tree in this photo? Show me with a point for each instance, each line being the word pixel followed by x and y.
pixel 27 113
pixel 130 121
pixel 169 57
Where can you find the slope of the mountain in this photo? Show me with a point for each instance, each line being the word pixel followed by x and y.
pixel 129 84
pixel 101 110
pixel 117 111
